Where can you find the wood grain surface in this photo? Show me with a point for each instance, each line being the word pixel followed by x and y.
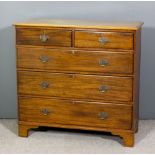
pixel 77 112
pixel 75 86
pixel 113 40
pixel 75 60
pixel 32 37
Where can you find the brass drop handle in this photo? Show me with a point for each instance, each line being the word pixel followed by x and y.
pixel 103 62
pixel 102 115
pixel 103 89
pixel 44 58
pixel 44 38
pixel 44 84
pixel 102 40
pixel 45 112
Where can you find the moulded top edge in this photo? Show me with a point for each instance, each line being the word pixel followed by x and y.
pixel 81 24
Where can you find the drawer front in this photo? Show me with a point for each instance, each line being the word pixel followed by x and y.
pixel 106 88
pixel 105 40
pixel 75 60
pixel 43 37
pixel 77 113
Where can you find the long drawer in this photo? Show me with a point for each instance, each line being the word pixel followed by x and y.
pixel 53 37
pixel 75 60
pixel 105 40
pixel 106 88
pixel 78 112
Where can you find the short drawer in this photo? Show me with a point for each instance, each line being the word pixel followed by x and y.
pixel 75 113
pixel 43 37
pixel 105 40
pixel 105 88
pixel 75 60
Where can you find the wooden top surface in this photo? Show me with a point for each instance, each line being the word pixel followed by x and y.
pixel 81 24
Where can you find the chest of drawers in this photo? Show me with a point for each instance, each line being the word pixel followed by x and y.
pixel 78 75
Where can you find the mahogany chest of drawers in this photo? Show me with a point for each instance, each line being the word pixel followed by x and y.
pixel 78 75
